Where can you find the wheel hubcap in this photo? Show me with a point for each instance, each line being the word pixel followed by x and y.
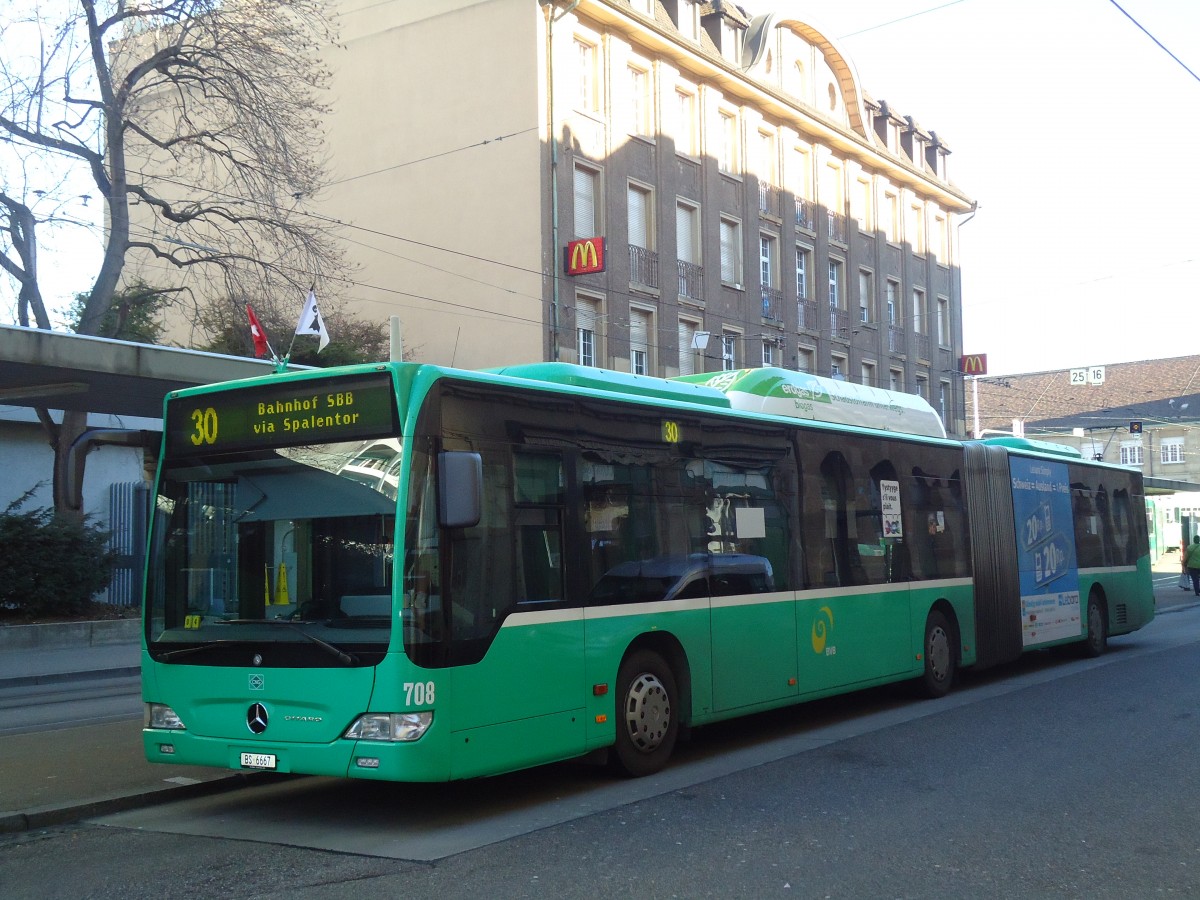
pixel 647 712
pixel 938 652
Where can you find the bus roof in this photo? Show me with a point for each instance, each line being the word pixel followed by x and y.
pixel 607 380
pixel 799 395
pixel 1020 443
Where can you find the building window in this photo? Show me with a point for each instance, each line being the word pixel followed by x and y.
pixel 893 302
pixel 1131 453
pixel 731 42
pixel 802 272
pixel 731 252
pixel 586 193
pixel 806 359
pixel 866 295
pixel 943 321
pixel 588 74
pixel 868 374
pixel 687 249
pixel 837 367
pixel 802 179
pixel 942 228
pixel 768 353
pixel 1170 450
pixel 687 232
pixel 728 158
pixel 835 284
pixel 944 401
pixel 766 157
pixel 643 261
pixel 641 105
pixel 918 311
pixel 922 390
pixel 916 228
pixel 888 211
pixel 728 351
pixel 639 341
pixel 587 313
pixel 685 120
pixel 689 19
pixel 688 346
pixel 767 267
pixel 895 380
pixel 641 217
pixel 861 202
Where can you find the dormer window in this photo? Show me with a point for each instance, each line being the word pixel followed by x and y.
pixel 689 19
pixel 731 42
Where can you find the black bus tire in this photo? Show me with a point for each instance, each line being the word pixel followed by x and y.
pixel 939 651
pixel 647 714
pixel 1096 641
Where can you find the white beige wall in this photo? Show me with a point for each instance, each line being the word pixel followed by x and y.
pixel 425 79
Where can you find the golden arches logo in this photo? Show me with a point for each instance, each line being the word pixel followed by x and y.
pixel 584 256
pixel 822 626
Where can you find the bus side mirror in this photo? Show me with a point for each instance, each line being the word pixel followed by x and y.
pixel 460 489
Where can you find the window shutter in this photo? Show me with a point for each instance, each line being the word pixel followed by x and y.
pixel 685 233
pixel 638 208
pixel 585 203
pixel 687 356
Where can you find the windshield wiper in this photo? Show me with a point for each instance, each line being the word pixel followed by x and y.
pixel 348 659
pixel 188 651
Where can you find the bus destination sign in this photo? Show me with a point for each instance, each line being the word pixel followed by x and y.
pixel 316 411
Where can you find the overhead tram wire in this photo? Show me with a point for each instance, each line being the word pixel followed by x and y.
pixel 1160 44
pixel 901 19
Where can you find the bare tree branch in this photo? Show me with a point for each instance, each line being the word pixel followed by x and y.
pixel 199 123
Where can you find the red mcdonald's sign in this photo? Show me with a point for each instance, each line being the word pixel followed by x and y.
pixel 584 255
pixel 973 364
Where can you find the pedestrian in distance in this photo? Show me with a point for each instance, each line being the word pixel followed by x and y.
pixel 1192 561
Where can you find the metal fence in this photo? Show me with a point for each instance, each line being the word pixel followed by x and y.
pixel 128 518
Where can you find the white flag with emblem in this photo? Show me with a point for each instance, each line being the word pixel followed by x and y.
pixel 312 323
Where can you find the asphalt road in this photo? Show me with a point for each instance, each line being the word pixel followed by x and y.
pixel 1054 777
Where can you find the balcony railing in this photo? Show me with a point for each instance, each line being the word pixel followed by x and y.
pixel 643 266
pixel 837 227
pixel 896 341
pixel 839 323
pixel 772 303
pixel 768 198
pixel 805 217
pixel 806 315
pixel 691 280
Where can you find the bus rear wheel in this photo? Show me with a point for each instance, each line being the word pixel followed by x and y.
pixel 647 714
pixel 1096 641
pixel 941 660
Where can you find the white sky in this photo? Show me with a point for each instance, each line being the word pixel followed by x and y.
pixel 1077 136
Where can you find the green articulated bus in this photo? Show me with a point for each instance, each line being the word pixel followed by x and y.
pixel 415 573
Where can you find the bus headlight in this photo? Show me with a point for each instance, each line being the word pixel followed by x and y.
pixel 159 715
pixel 389 726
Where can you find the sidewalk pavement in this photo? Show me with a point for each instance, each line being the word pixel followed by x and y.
pixel 54 777
pixel 57 776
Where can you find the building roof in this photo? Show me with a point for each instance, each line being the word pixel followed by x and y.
pixel 1154 391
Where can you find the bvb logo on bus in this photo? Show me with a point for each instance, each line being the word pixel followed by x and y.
pixel 821 631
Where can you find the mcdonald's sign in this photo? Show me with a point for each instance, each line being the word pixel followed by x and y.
pixel 584 255
pixel 973 364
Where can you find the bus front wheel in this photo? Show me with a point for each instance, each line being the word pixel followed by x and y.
pixel 1096 641
pixel 941 660
pixel 647 714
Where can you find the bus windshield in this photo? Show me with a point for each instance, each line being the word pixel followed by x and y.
pixel 299 537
